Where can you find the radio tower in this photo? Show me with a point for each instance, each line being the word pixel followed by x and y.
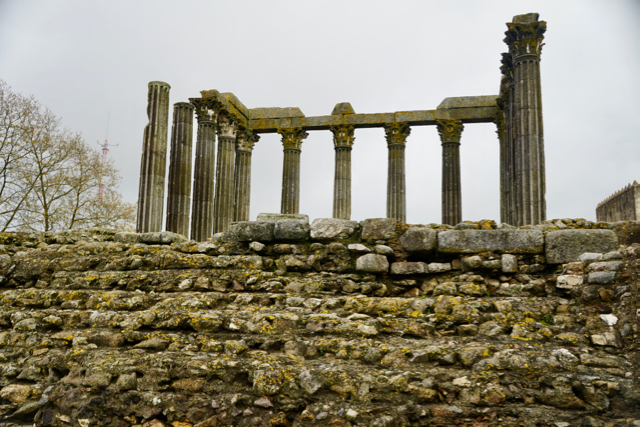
pixel 105 151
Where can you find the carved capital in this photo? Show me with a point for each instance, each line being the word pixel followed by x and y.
pixel 397 133
pixel 525 38
pixel 227 127
pixel 450 130
pixel 245 140
pixel 499 121
pixel 292 137
pixel 343 136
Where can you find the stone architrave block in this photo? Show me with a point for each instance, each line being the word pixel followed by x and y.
pixel 409 268
pixel 372 263
pixel 250 231
pixel 333 229
pixel 419 239
pixel 568 281
pixel 291 230
pixel 161 238
pixel 379 228
pixel 474 241
pixel 565 246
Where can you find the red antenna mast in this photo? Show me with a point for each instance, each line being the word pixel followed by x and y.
pixel 105 151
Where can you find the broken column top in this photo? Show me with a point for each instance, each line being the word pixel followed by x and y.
pixel 159 83
pixel 526 19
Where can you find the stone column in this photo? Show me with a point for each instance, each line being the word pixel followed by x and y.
pixel 154 160
pixel 292 141
pixel 343 141
pixel 223 203
pixel 450 132
pixel 524 37
pixel 179 198
pixel 203 178
pixel 396 134
pixel 245 141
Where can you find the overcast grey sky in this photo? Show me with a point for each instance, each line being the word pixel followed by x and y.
pixel 84 59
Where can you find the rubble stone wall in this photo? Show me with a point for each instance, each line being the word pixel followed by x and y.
pixel 286 323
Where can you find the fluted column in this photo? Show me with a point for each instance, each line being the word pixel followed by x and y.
pixel 203 177
pixel 396 134
pixel 343 141
pixel 153 165
pixel 524 37
pixel 223 203
pixel 450 132
pixel 242 183
pixel 291 141
pixel 179 188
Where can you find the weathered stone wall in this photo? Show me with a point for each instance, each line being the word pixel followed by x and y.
pixel 283 323
pixel 624 205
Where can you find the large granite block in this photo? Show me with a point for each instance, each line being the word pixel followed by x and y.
pixel 250 231
pixel 291 230
pixel 419 239
pixel 379 228
pixel 333 229
pixel 504 241
pixel 567 245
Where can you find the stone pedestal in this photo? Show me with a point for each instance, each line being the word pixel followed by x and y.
pixel 179 188
pixel 242 183
pixel 203 178
pixel 223 203
pixel 450 132
pixel 154 160
pixel 524 37
pixel 343 141
pixel 396 134
pixel 291 141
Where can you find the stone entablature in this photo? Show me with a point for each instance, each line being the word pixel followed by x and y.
pixel 517 111
pixel 623 205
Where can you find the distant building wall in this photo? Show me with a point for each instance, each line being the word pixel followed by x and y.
pixel 624 205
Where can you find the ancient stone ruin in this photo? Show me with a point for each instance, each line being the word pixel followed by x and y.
pixel 623 205
pixel 282 322
pixel 517 112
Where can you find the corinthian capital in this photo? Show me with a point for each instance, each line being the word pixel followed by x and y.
pixel 450 130
pixel 525 35
pixel 343 136
pixel 246 139
pixel 227 127
pixel 397 133
pixel 292 137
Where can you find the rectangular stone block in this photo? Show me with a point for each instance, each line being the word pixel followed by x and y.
pixel 567 245
pixel 379 228
pixel 291 229
pixel 502 241
pixel 409 268
pixel 277 216
pixel 372 263
pixel 602 278
pixel 333 228
pixel 419 239
pixel 250 231
pixel 568 281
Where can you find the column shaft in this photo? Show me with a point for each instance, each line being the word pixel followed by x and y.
pixel 292 141
pixel 223 202
pixel 179 197
pixel 396 134
pixel 153 165
pixel 450 132
pixel 242 182
pixel 524 37
pixel 203 180
pixel 343 141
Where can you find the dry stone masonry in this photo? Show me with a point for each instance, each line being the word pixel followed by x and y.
pixel 279 322
pixel 517 112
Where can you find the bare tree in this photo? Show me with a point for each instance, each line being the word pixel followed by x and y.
pixel 49 177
